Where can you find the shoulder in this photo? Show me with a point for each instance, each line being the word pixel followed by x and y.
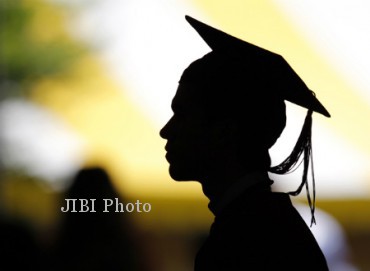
pixel 266 229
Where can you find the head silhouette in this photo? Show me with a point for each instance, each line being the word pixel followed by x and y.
pixel 229 109
pixel 220 123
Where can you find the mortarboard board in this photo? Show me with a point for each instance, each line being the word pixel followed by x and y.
pixel 287 85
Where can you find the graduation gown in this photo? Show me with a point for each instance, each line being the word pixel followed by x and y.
pixel 260 230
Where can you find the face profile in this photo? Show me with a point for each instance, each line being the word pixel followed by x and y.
pixel 194 139
pixel 185 136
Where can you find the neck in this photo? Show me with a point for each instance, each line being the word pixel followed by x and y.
pixel 213 191
pixel 219 177
pixel 215 187
pixel 218 200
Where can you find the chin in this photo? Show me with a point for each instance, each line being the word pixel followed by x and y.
pixel 181 174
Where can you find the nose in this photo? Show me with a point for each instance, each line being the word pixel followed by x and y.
pixel 165 131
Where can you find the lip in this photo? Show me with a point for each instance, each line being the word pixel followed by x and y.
pixel 166 147
pixel 167 157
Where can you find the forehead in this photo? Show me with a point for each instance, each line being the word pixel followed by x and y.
pixel 201 100
pixel 187 97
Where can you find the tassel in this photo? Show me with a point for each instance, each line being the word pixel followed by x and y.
pixel 290 164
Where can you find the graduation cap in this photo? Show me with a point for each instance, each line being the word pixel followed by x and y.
pixel 290 85
pixel 287 85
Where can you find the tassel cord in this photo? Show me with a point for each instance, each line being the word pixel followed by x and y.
pixel 293 161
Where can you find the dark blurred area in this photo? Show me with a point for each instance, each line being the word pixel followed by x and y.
pixel 19 248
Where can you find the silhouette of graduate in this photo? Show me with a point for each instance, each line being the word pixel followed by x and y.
pixel 229 109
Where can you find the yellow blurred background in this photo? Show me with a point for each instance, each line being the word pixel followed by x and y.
pixel 106 104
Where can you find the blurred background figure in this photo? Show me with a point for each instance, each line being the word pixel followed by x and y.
pixel 96 240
